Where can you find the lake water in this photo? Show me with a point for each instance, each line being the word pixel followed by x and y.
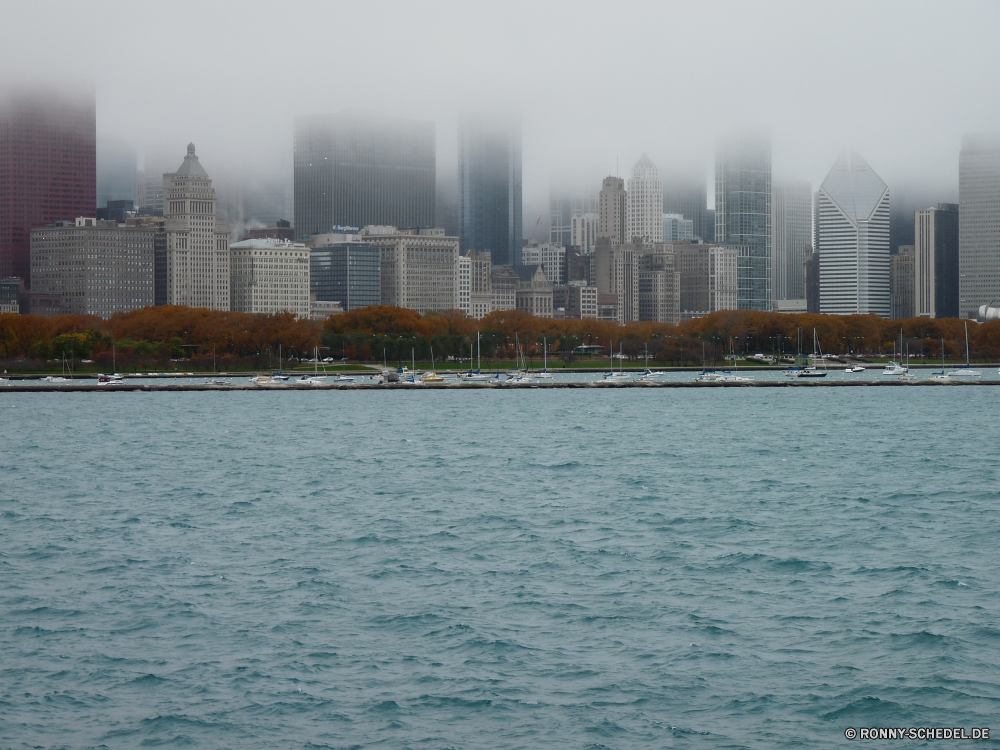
pixel 718 568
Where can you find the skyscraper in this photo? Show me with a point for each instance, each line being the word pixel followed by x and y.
pixel 978 222
pixel 116 170
pixel 743 213
pixel 564 209
pixel 852 230
pixel 901 283
pixel 47 168
pixel 791 224
pixel 644 221
pixel 688 197
pixel 936 262
pixel 351 170
pixel 489 176
pixel 198 262
pixel 611 214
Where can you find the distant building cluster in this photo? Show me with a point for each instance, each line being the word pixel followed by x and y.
pixel 84 229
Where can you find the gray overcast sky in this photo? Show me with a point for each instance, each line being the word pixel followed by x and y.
pixel 595 81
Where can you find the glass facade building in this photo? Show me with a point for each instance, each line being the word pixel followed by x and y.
pixel 348 272
pixel 743 213
pixel 791 225
pixel 489 175
pixel 355 171
pixel 978 222
pixel 47 168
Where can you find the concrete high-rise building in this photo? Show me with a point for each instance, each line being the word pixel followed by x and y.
pixel 480 288
pixel 677 229
pixel 611 213
pixel 936 262
pixel 583 232
pixel 465 284
pixel 659 285
pixel 791 225
pixel 575 300
pixel 564 209
pixel 343 269
pixel 47 168
pixel 978 222
pixel 852 229
pixel 419 267
pixel 616 272
pixel 197 254
pixel 901 281
pixel 354 170
pixel 96 267
pixel 644 222
pixel 270 276
pixel 708 278
pixel 743 213
pixel 504 281
pixel 489 177
pixel 149 193
pixel 689 198
pixel 550 256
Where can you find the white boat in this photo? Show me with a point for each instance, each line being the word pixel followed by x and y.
pixel 477 374
pixel 894 368
pixel 6 381
pixel 616 376
pixel 649 376
pixel 943 376
pixel 711 376
pixel 110 380
pixel 217 381
pixel 855 368
pixel 54 379
pixel 518 376
pixel 431 376
pixel 544 372
pixel 811 371
pixel 907 376
pixel 960 371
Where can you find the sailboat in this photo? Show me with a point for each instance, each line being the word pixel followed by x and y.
pixel 812 371
pixel 647 374
pixel 892 367
pixel 315 378
pixel 58 378
pixel 519 375
pixel 960 371
pixel 544 372
pixel 616 376
pixel 943 376
pixel 114 378
pixel 431 376
pixel 726 376
pixel 478 373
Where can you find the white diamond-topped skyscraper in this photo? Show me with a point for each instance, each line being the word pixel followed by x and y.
pixel 852 238
pixel 645 204
pixel 743 213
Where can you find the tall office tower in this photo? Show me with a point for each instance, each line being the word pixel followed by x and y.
pixel 480 289
pixel 352 170
pixel 583 232
pixel 811 266
pixel 149 193
pixel 564 211
pixel 708 278
pixel 419 267
pixel 659 285
pixel 743 213
pixel 677 229
pixel 96 267
pixel 644 205
pixel 611 212
pixel 936 262
pixel 347 271
pixel 901 283
pixel 464 284
pixel 116 170
pixel 791 224
pixel 688 197
pixel 198 268
pixel 616 271
pixel 270 276
pixel 978 222
pixel 446 204
pixel 47 168
pixel 852 228
pixel 489 181
pixel 550 256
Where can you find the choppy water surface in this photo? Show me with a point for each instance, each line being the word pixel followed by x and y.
pixel 495 569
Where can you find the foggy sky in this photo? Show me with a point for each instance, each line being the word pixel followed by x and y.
pixel 597 83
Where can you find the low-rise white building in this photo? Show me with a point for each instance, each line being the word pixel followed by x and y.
pixel 269 276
